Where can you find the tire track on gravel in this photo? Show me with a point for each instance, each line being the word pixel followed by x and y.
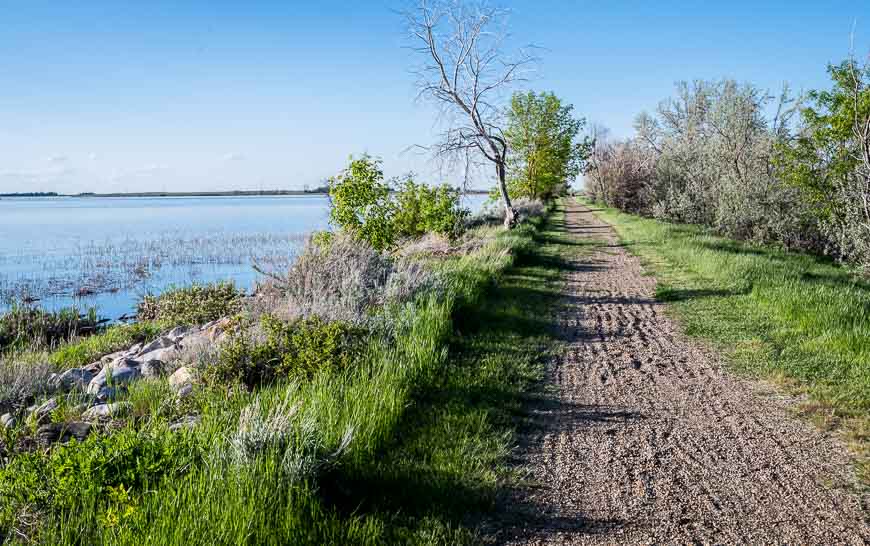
pixel 643 438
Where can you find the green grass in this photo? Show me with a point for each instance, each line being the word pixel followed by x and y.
pixel 795 318
pixel 430 413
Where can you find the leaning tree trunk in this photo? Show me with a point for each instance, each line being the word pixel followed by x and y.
pixel 510 213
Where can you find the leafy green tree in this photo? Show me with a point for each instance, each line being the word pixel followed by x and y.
pixel 830 158
pixel 545 154
pixel 361 202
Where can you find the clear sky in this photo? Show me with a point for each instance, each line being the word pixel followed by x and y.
pixel 126 95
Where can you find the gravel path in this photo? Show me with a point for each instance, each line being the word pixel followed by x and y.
pixel 644 439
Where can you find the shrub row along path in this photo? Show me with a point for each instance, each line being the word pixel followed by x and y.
pixel 641 436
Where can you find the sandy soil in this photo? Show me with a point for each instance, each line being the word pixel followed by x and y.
pixel 643 438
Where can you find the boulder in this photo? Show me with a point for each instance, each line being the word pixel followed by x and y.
pixel 186 422
pixel 179 332
pixel 7 420
pixel 162 342
pixel 74 378
pixel 152 368
pixel 165 354
pixel 63 432
pixel 182 376
pixel 42 412
pixel 185 391
pixel 106 411
pixel 121 371
pixel 215 331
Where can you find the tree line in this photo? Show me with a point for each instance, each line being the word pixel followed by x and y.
pixel 791 170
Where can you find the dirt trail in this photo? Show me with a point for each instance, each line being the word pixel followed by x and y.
pixel 644 438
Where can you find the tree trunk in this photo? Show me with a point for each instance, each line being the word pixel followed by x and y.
pixel 510 214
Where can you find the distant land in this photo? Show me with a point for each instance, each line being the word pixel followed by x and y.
pixel 237 193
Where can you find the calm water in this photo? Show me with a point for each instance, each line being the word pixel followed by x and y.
pixel 108 252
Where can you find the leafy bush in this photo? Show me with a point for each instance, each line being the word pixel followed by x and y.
pixel 361 203
pixel 420 209
pixel 278 349
pixel 363 206
pixel 829 160
pixel 195 304
pixel 25 326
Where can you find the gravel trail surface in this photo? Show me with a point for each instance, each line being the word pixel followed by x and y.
pixel 642 437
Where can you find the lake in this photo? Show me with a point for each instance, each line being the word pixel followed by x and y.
pixel 109 252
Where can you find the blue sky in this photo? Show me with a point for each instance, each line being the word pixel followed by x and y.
pixel 126 96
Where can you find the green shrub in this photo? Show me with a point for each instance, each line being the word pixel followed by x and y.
pixel 361 203
pixel 195 304
pixel 420 210
pixel 296 349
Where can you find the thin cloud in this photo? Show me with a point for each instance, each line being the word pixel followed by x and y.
pixel 57 159
pixel 235 156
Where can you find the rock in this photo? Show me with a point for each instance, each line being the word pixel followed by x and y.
pixel 152 368
pixel 122 372
pixel 185 391
pixel 134 349
pixel 63 432
pixel 42 412
pixel 106 411
pixel 106 393
pixel 95 367
pixel 186 422
pixel 111 357
pixel 179 332
pixel 216 330
pixel 159 343
pixel 75 378
pixel 7 420
pixel 182 376
pixel 166 354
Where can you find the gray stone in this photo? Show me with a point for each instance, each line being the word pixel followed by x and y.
pixel 159 343
pixel 182 376
pixel 122 372
pixel 152 368
pixel 63 432
pixel 106 393
pixel 106 411
pixel 43 412
pixel 185 390
pixel 186 422
pixel 179 332
pixel 166 354
pixel 75 378
pixel 7 420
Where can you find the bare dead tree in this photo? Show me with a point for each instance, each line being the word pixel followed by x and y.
pixel 465 72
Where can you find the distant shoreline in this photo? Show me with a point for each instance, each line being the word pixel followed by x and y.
pixel 238 193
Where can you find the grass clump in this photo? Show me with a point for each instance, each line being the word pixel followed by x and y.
pixel 27 326
pixel 190 305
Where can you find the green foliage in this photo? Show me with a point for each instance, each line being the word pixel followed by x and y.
pixel 293 350
pixel 26 326
pixel 420 209
pixel 829 160
pixel 190 305
pixel 57 479
pixel 545 156
pixel 363 205
pixel 361 202
pixel 83 351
